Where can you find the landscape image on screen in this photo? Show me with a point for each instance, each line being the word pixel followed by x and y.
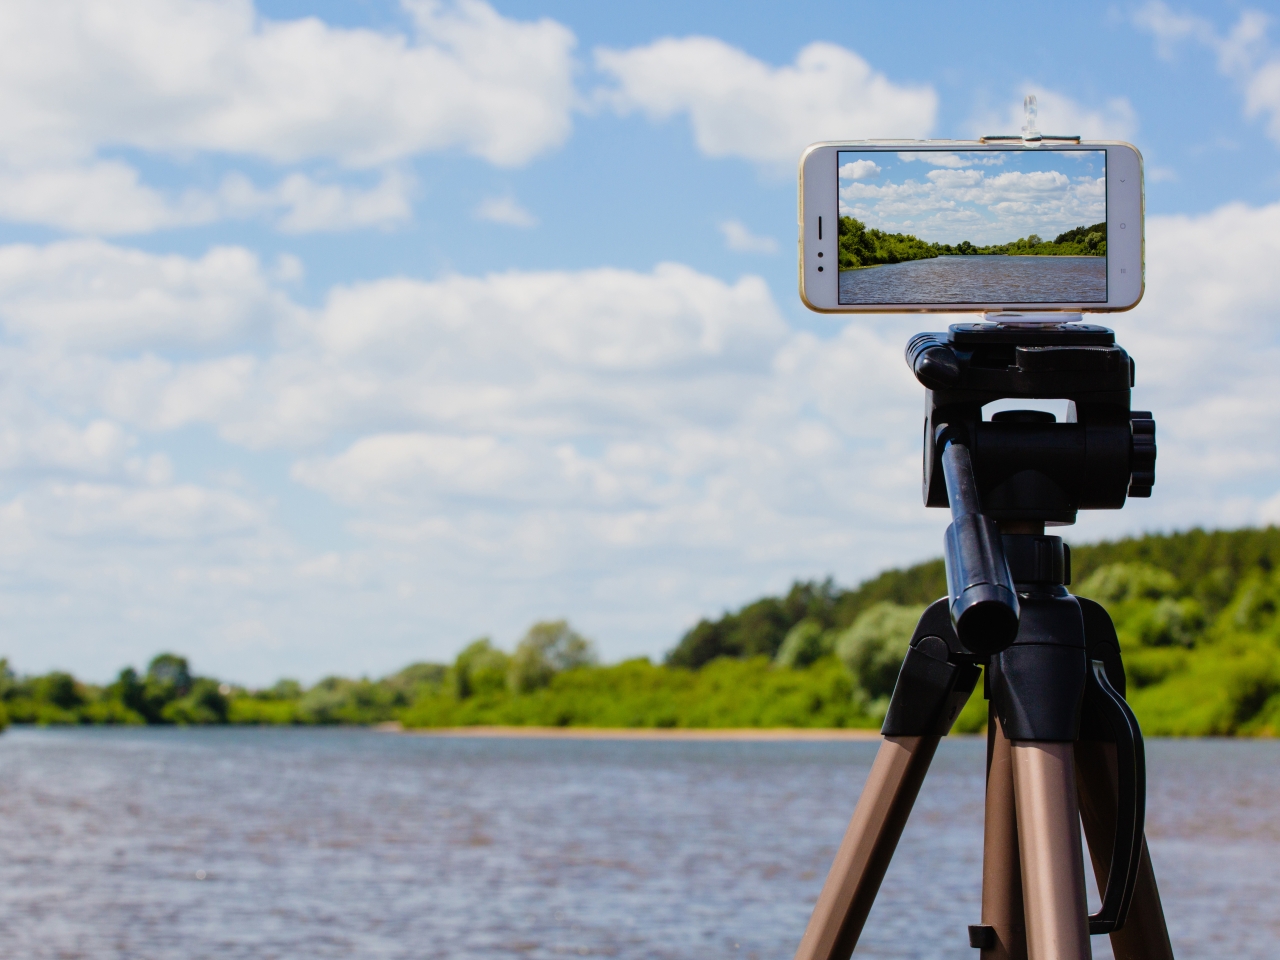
pixel 975 226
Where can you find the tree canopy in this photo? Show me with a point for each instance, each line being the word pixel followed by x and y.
pixel 863 246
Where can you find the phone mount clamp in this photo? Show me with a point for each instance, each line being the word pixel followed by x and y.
pixel 1062 744
pixel 1030 135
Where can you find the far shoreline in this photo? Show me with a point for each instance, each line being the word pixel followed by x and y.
pixel 740 734
pixel 982 256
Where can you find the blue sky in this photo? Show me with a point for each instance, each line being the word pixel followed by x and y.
pixel 334 335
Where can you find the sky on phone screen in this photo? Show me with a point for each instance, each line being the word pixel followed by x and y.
pixel 995 197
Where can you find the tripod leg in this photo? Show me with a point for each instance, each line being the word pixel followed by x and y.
pixel 1001 871
pixel 1044 786
pixel 867 847
pixel 1144 935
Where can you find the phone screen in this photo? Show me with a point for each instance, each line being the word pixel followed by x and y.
pixel 973 226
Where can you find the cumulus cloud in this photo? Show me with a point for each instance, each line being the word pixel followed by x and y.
pixel 303 205
pixel 34 443
pixel 1243 53
pixel 510 351
pixel 91 295
pixel 101 197
pixel 106 198
pixel 393 467
pixel 859 170
pixel 742 107
pixel 957 201
pixel 94 511
pixel 738 237
pixel 176 76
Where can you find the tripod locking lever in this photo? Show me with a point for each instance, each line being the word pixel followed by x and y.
pixel 1131 804
pixel 984 603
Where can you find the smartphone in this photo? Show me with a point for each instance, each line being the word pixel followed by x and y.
pixel 948 226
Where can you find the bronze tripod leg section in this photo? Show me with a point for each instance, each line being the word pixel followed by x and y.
pixel 1044 786
pixel 1001 869
pixel 1144 935
pixel 868 845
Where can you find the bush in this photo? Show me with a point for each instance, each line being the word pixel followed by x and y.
pixel 1217 693
pixel 874 647
pixel 1125 582
pixel 806 643
pixel 546 649
pixel 203 704
pixel 250 710
pixel 636 693
pixel 479 669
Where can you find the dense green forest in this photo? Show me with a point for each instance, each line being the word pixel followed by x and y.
pixel 864 247
pixel 1198 615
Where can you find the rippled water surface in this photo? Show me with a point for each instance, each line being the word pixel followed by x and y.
pixel 310 844
pixel 979 280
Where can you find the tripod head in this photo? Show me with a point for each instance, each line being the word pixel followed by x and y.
pixel 1021 470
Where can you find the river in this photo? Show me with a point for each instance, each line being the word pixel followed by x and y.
pixel 992 279
pixel 231 843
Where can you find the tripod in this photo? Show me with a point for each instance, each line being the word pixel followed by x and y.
pixel 1062 744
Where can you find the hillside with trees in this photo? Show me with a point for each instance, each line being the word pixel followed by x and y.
pixel 1197 613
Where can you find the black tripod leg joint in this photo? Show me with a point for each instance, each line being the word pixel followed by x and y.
pixel 935 681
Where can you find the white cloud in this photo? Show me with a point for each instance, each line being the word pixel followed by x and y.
pixel 742 107
pixel 1060 115
pixel 1243 53
pixel 33 443
pixel 101 197
pixel 95 511
pixel 394 467
pixel 1236 50
pixel 306 206
pixel 510 351
pixel 106 198
pixel 738 237
pixel 90 295
pixel 950 204
pixel 505 210
pixel 859 170
pixel 175 76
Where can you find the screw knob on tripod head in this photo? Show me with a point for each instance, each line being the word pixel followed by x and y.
pixel 1142 453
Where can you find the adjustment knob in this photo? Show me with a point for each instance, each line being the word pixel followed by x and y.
pixel 932 360
pixel 1142 453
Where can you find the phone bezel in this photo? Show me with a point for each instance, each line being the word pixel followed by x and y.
pixel 819 198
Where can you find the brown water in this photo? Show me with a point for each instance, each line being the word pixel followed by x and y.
pixel 979 280
pixel 332 843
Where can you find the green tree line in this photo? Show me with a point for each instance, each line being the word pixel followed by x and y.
pixel 861 246
pixel 1197 613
